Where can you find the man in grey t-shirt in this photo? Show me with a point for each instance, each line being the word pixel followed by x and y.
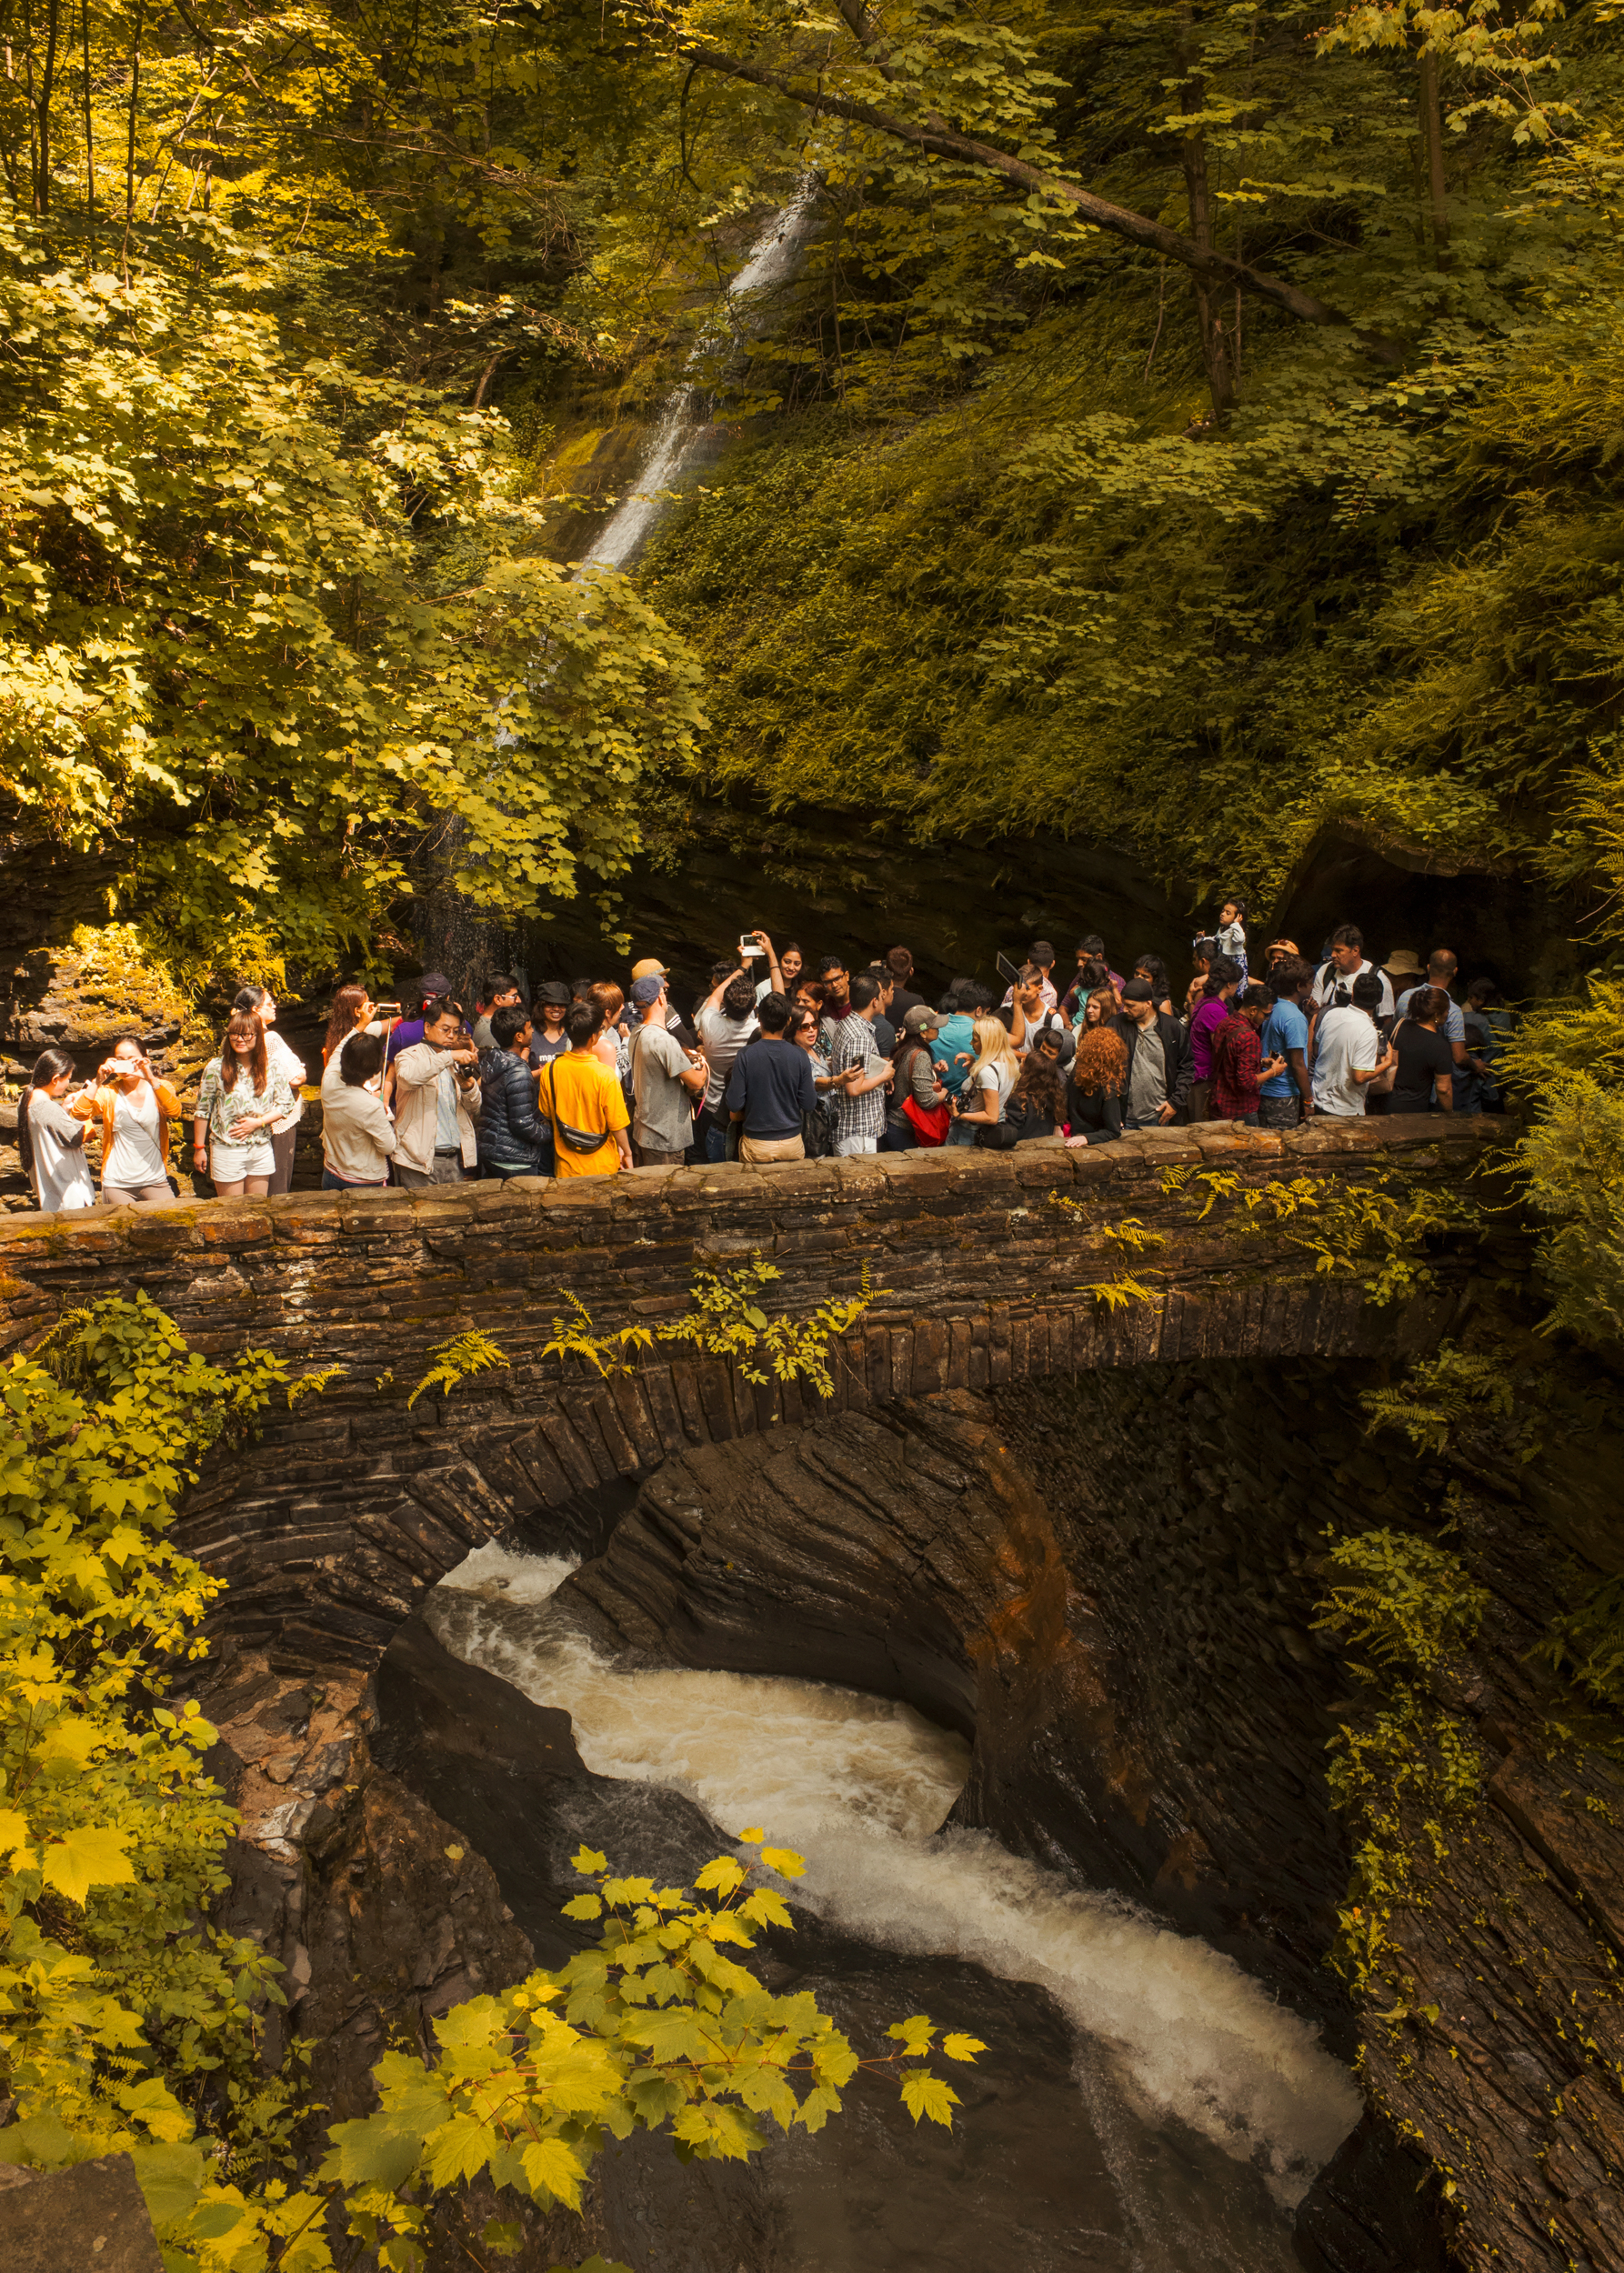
pixel 665 1082
pixel 1159 1070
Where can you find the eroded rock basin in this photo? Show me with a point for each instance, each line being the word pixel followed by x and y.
pixel 1144 2106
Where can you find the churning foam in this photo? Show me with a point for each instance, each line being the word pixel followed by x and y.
pixel 862 1786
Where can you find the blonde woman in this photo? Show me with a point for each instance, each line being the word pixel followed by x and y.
pixel 994 1072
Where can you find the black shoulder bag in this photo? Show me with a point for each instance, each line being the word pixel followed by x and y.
pixel 572 1139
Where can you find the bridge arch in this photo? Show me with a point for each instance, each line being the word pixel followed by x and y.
pixel 991 1269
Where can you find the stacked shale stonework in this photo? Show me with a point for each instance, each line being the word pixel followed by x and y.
pixel 331 1528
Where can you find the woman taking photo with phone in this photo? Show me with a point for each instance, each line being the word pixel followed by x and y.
pixel 135 1109
pixel 240 1099
pixel 51 1139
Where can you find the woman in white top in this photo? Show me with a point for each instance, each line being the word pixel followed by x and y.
pixel 285 1135
pixel 50 1140
pixel 992 1075
pixel 136 1109
pixel 357 1135
pixel 240 1099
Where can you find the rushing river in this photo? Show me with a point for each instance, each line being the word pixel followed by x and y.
pixel 1207 2106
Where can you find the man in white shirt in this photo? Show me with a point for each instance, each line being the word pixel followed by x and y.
pixel 1350 1053
pixel 1333 982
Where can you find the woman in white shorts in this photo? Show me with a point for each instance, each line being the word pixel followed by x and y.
pixel 240 1099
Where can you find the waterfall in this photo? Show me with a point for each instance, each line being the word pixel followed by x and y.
pixel 679 440
pixel 452 937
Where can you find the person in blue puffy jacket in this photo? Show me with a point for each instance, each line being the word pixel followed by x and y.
pixel 514 1138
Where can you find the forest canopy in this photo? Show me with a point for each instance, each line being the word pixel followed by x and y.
pixel 1188 424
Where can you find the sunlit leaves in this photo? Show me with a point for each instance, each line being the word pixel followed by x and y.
pixel 923 2095
pixel 96 1855
pixel 251 624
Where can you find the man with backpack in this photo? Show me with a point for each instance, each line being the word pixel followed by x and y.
pixel 1350 1054
pixel 665 1080
pixel 1333 981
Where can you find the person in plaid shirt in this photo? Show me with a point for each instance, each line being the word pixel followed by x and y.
pixel 1238 1063
pixel 859 1104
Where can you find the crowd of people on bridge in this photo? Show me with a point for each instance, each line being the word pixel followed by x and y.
pixel 784 1058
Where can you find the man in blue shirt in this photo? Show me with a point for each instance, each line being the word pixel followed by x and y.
pixel 953 1051
pixel 1287 1097
pixel 769 1088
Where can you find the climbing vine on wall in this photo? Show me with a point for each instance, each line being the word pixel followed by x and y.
pixel 1404 1769
pixel 725 1320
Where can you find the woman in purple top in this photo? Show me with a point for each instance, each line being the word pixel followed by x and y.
pixel 1223 976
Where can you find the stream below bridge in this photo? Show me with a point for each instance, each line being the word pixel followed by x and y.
pixel 1143 2106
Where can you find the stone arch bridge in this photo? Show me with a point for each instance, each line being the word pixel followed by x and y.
pixel 352 1504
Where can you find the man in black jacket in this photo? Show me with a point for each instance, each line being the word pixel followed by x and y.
pixel 514 1138
pixel 1159 1060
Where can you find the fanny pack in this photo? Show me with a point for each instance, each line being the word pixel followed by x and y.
pixel 572 1139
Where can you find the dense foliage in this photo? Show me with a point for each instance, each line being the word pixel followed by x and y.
pixel 1193 422
pixel 130 2020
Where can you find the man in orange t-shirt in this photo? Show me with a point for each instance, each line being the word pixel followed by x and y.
pixel 582 1099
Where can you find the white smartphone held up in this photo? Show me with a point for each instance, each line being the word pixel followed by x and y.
pixel 749 945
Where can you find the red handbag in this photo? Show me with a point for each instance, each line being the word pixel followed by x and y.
pixel 931 1128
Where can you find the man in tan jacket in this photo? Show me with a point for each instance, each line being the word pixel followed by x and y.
pixel 435 1088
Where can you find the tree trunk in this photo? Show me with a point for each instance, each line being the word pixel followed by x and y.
pixel 1218 345
pixel 41 187
pixel 1432 136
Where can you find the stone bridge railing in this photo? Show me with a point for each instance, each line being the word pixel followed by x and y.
pixel 330 1528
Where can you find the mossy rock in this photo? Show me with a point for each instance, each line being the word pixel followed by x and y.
pixel 84 997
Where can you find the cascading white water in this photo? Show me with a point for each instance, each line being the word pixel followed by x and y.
pixel 686 413
pixel 453 936
pixel 862 1787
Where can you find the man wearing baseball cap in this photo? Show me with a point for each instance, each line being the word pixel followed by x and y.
pixel 666 1080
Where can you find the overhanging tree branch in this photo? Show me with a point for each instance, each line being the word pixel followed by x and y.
pixel 943 141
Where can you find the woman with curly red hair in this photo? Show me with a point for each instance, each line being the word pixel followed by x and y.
pixel 1099 1077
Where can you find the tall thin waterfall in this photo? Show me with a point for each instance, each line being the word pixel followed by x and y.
pixel 679 441
pixel 452 936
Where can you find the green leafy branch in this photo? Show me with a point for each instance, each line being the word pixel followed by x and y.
pixel 573 1337
pixel 1115 1293
pixel 1440 1392
pixel 459 1360
pixel 726 1321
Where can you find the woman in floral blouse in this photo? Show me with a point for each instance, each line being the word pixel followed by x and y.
pixel 240 1099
